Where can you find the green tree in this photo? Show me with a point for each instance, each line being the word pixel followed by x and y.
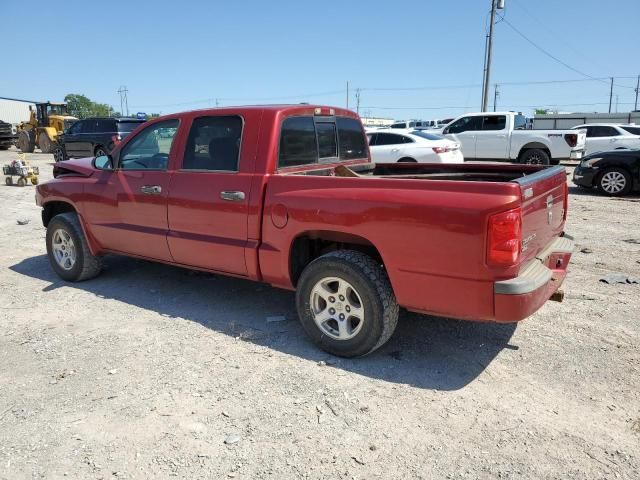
pixel 541 111
pixel 82 107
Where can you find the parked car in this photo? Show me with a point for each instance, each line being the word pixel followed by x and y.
pixel 614 173
pixel 602 137
pixel 288 195
pixel 504 136
pixel 412 146
pixel 7 135
pixel 93 137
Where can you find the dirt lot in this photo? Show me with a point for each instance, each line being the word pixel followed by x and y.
pixel 146 370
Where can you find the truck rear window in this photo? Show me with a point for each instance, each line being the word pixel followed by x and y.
pixel 308 140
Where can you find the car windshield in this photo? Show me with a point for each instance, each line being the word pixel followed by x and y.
pixel 428 136
pixel 632 130
pixel 128 127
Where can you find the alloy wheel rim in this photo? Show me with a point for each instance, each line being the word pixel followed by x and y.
pixel 613 182
pixel 337 308
pixel 63 248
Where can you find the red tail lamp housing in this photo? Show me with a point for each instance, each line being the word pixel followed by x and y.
pixel 504 238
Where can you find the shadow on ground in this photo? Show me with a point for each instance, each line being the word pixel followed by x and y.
pixel 426 352
pixel 594 192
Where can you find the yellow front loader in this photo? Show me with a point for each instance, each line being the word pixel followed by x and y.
pixel 46 122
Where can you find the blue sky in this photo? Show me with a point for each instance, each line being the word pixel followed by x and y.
pixel 181 55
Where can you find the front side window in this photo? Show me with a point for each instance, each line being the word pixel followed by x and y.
pixel 75 128
pixel 213 144
pixel 105 126
pixel 351 139
pixel 149 150
pixel 465 124
pixel 494 122
pixel 88 126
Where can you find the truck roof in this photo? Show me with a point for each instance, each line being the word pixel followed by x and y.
pixel 300 108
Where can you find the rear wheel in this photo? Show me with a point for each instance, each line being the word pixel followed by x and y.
pixel 21 182
pixel 44 142
pixel 58 154
pixel 535 156
pixel 67 249
pixel 26 144
pixel 346 304
pixel 615 182
pixel 100 151
pixel 8 181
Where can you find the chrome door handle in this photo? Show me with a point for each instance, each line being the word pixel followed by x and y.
pixel 232 196
pixel 395 149
pixel 151 189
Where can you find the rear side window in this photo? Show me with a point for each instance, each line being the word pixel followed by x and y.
pixel 390 139
pixel 298 142
pixel 351 139
pixel 519 122
pixel 494 122
pixel 128 127
pixel 602 131
pixel 87 126
pixel 632 130
pixel 105 125
pixel 213 144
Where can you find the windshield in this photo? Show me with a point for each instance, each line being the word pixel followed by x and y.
pixel 428 136
pixel 128 127
pixel 60 109
pixel 632 130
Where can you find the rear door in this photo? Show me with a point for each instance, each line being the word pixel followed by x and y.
pixel 72 138
pixel 102 139
pixel 492 140
pixel 389 147
pixel 209 197
pixel 601 138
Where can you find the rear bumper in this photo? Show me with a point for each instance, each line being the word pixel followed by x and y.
pixel 517 298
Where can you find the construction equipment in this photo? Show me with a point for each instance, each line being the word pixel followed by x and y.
pixel 46 122
pixel 20 168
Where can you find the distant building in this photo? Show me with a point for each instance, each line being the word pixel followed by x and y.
pixel 376 121
pixel 555 121
pixel 14 111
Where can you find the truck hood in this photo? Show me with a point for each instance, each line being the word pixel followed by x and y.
pixel 82 167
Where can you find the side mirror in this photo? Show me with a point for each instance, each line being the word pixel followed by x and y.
pixel 103 162
pixel 445 131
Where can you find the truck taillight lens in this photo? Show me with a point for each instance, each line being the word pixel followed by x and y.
pixel 504 238
pixel 571 139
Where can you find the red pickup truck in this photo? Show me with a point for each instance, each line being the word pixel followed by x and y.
pixel 288 195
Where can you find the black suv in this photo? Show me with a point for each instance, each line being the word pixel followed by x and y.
pixel 93 137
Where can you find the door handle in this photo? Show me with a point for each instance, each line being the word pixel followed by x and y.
pixel 232 196
pixel 395 150
pixel 151 189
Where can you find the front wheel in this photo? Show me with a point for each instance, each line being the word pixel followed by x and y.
pixel 67 249
pixel 346 304
pixel 615 182
pixel 100 152
pixel 59 155
pixel 535 156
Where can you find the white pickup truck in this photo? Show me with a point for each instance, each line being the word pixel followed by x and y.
pixel 503 136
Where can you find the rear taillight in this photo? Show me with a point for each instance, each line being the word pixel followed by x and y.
pixel 116 139
pixel 571 139
pixel 441 149
pixel 504 238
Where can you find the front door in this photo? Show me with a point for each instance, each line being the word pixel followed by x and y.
pixel 463 131
pixel 602 138
pixel 129 205
pixel 208 202
pixel 72 140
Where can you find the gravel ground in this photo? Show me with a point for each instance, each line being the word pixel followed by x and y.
pixel 154 371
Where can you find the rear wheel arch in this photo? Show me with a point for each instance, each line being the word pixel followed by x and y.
pixel 308 246
pixel 536 145
pixel 407 160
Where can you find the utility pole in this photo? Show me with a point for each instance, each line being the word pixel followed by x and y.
pixel 637 90
pixel 495 5
pixel 495 96
pixel 611 95
pixel 347 94
pixel 358 101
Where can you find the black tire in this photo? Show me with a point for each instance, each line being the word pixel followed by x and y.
pixel 86 265
pixel 100 151
pixel 8 181
pixel 373 288
pixel 407 160
pixel 44 142
pixel 59 154
pixel 26 142
pixel 535 156
pixel 615 182
pixel 22 182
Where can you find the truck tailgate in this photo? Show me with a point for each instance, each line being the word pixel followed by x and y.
pixel 544 206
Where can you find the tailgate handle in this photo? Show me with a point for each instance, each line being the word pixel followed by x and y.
pixel 232 196
pixel 550 201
